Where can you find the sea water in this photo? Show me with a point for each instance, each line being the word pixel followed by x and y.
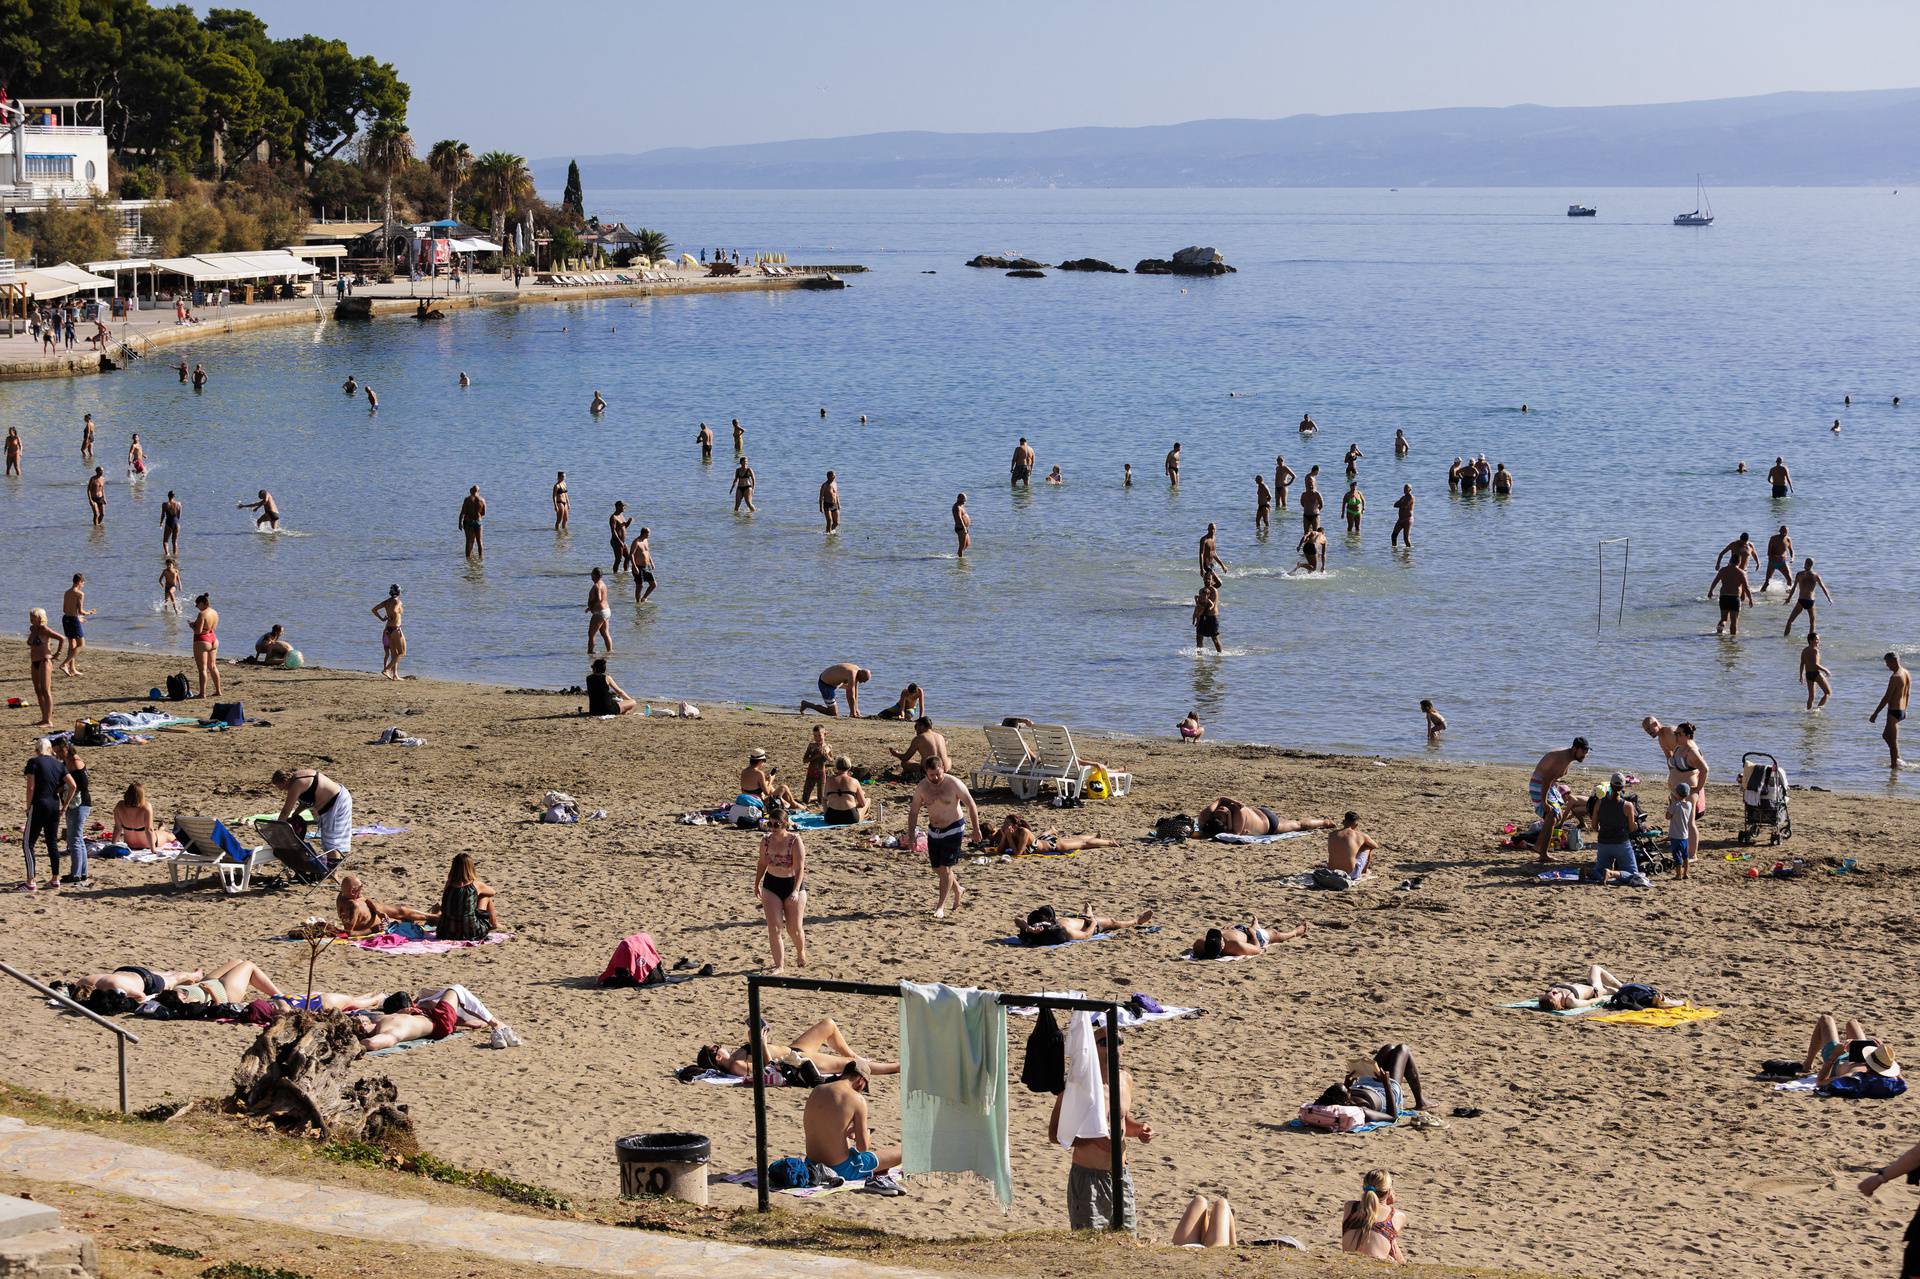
pixel 1651 359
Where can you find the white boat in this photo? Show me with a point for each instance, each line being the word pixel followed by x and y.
pixel 1702 214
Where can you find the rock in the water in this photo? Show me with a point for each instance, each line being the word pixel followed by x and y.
pixel 1028 273
pixel 1191 260
pixel 296 1075
pixel 1153 266
pixel 1005 264
pixel 1091 264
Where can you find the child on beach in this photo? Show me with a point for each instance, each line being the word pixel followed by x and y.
pixel 1436 722
pixel 1191 729
pixel 818 753
pixel 1683 830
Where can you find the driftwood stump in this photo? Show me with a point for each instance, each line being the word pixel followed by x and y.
pixel 296 1074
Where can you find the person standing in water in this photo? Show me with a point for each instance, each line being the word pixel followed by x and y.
pixel 269 513
pixel 1172 465
pixel 1210 551
pixel 562 504
pixel 1311 501
pixel 1283 478
pixel 465 381
pixel 1403 517
pixel 136 457
pixel 598 406
pixel 962 526
pixel 704 438
pixel 199 377
pixel 830 502
pixel 170 525
pixel 1353 459
pixel 73 614
pixel 473 510
pixel 1206 616
pixel 1355 505
pixel 1780 477
pixel 1805 583
pixel 617 525
pixel 599 612
pixel 373 401
pixel 170 585
pixel 14 448
pixel 1812 673
pixel 97 496
pixel 86 437
pixel 743 481
pixel 1893 702
pixel 1779 559
pixel 393 638
pixel 739 437
pixel 1731 585
pixel 1400 446
pixel 1023 459
pixel 1262 503
pixel 1307 424
pixel 640 558
pixel 1126 475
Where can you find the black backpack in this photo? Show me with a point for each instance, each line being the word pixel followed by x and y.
pixel 1174 829
pixel 177 689
pixel 1633 997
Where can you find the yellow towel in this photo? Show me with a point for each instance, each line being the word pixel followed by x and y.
pixel 1658 1016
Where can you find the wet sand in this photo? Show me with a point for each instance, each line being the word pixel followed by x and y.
pixel 1649 1150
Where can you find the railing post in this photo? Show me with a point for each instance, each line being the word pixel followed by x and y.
pixel 758 1041
pixel 121 1043
pixel 1116 1137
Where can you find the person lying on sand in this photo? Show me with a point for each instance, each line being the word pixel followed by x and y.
pixel 1013 835
pixel 838 1134
pixel 1043 927
pixel 1226 816
pixel 361 916
pixel 1239 940
pixel 130 982
pixel 1378 1085
pixel 1595 990
pixel 430 1017
pixel 129 986
pixel 1847 1050
pixel 822 1043
pixel 1207 1223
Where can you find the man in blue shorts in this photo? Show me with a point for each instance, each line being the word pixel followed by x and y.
pixel 950 811
pixel 841 675
pixel 838 1134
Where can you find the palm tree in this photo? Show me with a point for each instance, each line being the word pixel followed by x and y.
pixel 653 245
pixel 503 181
pixel 388 145
pixel 451 161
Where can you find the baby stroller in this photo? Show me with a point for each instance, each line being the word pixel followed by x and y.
pixel 1763 785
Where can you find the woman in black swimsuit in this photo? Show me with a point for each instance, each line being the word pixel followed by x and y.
pixel 781 880
pixel 844 802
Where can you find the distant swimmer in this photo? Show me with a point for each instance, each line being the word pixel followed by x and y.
pixel 373 401
pixel 1283 478
pixel 1812 673
pixel 1210 551
pixel 739 436
pixel 1262 503
pixel 704 438
pixel 97 496
pixel 136 456
pixel 1893 701
pixel 1835 428
pixel 1126 475
pixel 1739 552
pixel 1403 517
pixel 599 404
pixel 830 502
pixel 170 525
pixel 1307 424
pixel 863 419
pixel 182 369
pixel 743 482
pixel 1172 465
pixel 1731 586
pixel 1502 481
pixel 1353 459
pixel 1741 468
pixel 1779 558
pixel 640 556
pixel 170 585
pixel 199 377
pixel 823 414
pixel 1206 616
pixel 841 675
pixel 562 505
pixel 1023 459
pixel 1313 550
pixel 13 450
pixel 86 435
pixel 1780 477
pixel 473 511
pixel 1523 408
pixel 1805 583
pixel 465 381
pixel 617 525
pixel 350 386
pixel 1054 477
pixel 1354 504
pixel 1436 722
pixel 1846 401
pixel 1400 445
pixel 1896 401
pixel 599 612
pixel 393 635
pixel 962 526
pixel 269 513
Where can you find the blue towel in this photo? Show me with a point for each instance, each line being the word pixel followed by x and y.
pixel 818 821
pixel 1294 1125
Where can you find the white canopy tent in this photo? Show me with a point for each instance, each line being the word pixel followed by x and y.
pixel 47 283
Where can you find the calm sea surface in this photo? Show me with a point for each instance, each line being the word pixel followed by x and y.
pixel 1652 359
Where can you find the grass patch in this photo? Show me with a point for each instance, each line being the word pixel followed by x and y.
pixel 434 1168
pixel 247 1270
pixel 173 1250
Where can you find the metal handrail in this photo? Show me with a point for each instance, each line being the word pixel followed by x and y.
pixel 125 1036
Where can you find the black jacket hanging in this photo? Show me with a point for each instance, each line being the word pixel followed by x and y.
pixel 1046 1065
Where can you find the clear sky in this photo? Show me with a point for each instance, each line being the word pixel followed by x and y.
pixel 629 75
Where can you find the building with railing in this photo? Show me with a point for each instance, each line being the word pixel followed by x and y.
pixel 52 151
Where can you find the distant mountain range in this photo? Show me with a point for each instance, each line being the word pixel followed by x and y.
pixel 1780 139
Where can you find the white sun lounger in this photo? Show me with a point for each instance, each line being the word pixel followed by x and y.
pixel 1056 759
pixel 1007 755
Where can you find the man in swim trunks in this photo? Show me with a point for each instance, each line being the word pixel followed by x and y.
pixel 743 482
pixel 926 745
pixel 942 796
pixel 1023 458
pixel 1226 816
pixel 739 437
pixel 269 513
pixel 1091 1193
pixel 617 525
pixel 1739 551
pixel 170 525
pixel 1894 703
pixel 1210 551
pixel 962 525
pixel 1400 445
pixel 1349 848
pixel 1550 806
pixel 1812 673
pixel 838 1132
pixel 1313 551
pixel 704 438
pixel 1043 927
pixel 1805 582
pixel 1731 586
pixel 1779 555
pixel 133 981
pixel 1262 503
pixel 1206 615
pixel 830 502
pixel 1311 502
pixel 1283 478
pixel 1403 517
pixel 73 611
pixel 640 557
pixel 97 495
pixel 1307 425
pixel 599 613
pixel 1172 465
pixel 841 675
pixel 1780 477
pixel 361 916
pixel 472 511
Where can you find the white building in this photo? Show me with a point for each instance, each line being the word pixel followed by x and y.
pixel 52 150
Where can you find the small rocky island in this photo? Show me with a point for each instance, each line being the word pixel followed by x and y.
pixel 1091 264
pixel 1192 260
pixel 1005 264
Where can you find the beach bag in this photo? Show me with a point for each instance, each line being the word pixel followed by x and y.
pixel 791 1173
pixel 177 687
pixel 1633 997
pixel 89 733
pixel 1332 1118
pixel 1865 1084
pixel 1333 880
pixel 1045 1069
pixel 229 713
pixel 747 812
pixel 1173 829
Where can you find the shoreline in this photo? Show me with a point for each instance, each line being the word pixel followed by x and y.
pixel 310 310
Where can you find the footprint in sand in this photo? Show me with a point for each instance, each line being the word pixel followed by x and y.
pixel 1783 1185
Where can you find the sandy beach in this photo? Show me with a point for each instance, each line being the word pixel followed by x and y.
pixel 1646 1150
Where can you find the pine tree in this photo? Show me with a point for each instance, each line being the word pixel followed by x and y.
pixel 574 200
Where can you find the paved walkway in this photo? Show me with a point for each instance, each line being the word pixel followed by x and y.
pixel 142 1172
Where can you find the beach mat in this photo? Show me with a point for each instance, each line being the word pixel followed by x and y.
pixel 1294 1125
pixel 1225 838
pixel 751 1178
pixel 1806 1083
pixel 1660 1017
pixel 402 944
pixel 1015 941
pixel 1533 1006
pixel 818 821
pixel 416 1043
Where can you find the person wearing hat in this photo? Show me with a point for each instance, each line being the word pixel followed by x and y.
pixel 1090 1189
pixel 1683 830
pixel 1615 819
pixel 1549 804
pixel 1847 1050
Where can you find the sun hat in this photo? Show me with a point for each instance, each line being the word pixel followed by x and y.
pixel 1879 1059
pixel 757 752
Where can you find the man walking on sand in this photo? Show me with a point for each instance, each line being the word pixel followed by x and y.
pixel 942 796
pixel 599 613
pixel 1090 1188
pixel 472 511
pixel 847 675
pixel 1894 703
pixel 1547 802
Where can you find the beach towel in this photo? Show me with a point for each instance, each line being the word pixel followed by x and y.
pixel 1130 1016
pixel 1310 879
pixel 818 821
pixel 1533 1006
pixel 634 960
pixel 416 1043
pixel 377 829
pixel 750 1178
pixel 1295 1125
pixel 953 1084
pixel 1806 1083
pixel 1015 940
pixel 399 943
pixel 1225 838
pixel 1564 875
pixel 1661 1017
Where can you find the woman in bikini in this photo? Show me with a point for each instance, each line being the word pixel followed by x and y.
pixel 1371 1224
pixel 393 640
pixel 43 646
pixel 561 505
pixel 1838 1050
pixel 206 644
pixel 133 820
pixel 1594 991
pixel 1230 817
pixel 823 1044
pixel 1014 836
pixel 780 879
pixel 844 802
pixel 1237 941
pixel 1686 764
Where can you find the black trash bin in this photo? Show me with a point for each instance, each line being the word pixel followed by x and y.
pixel 673 1164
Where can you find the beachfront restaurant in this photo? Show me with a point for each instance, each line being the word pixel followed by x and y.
pixel 214 279
pixel 24 287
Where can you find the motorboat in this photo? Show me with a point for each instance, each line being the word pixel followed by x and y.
pixel 1582 211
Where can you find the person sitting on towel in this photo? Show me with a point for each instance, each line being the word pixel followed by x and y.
pixel 1349 848
pixel 822 1043
pixel 1043 927
pixel 1594 991
pixel 838 1134
pixel 1014 836
pixel 1847 1050
pixel 1378 1085
pixel 1230 817
pixel 361 916
pixel 133 820
pixel 1239 940
pixel 466 904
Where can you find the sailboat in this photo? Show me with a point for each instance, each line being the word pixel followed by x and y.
pixel 1702 214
